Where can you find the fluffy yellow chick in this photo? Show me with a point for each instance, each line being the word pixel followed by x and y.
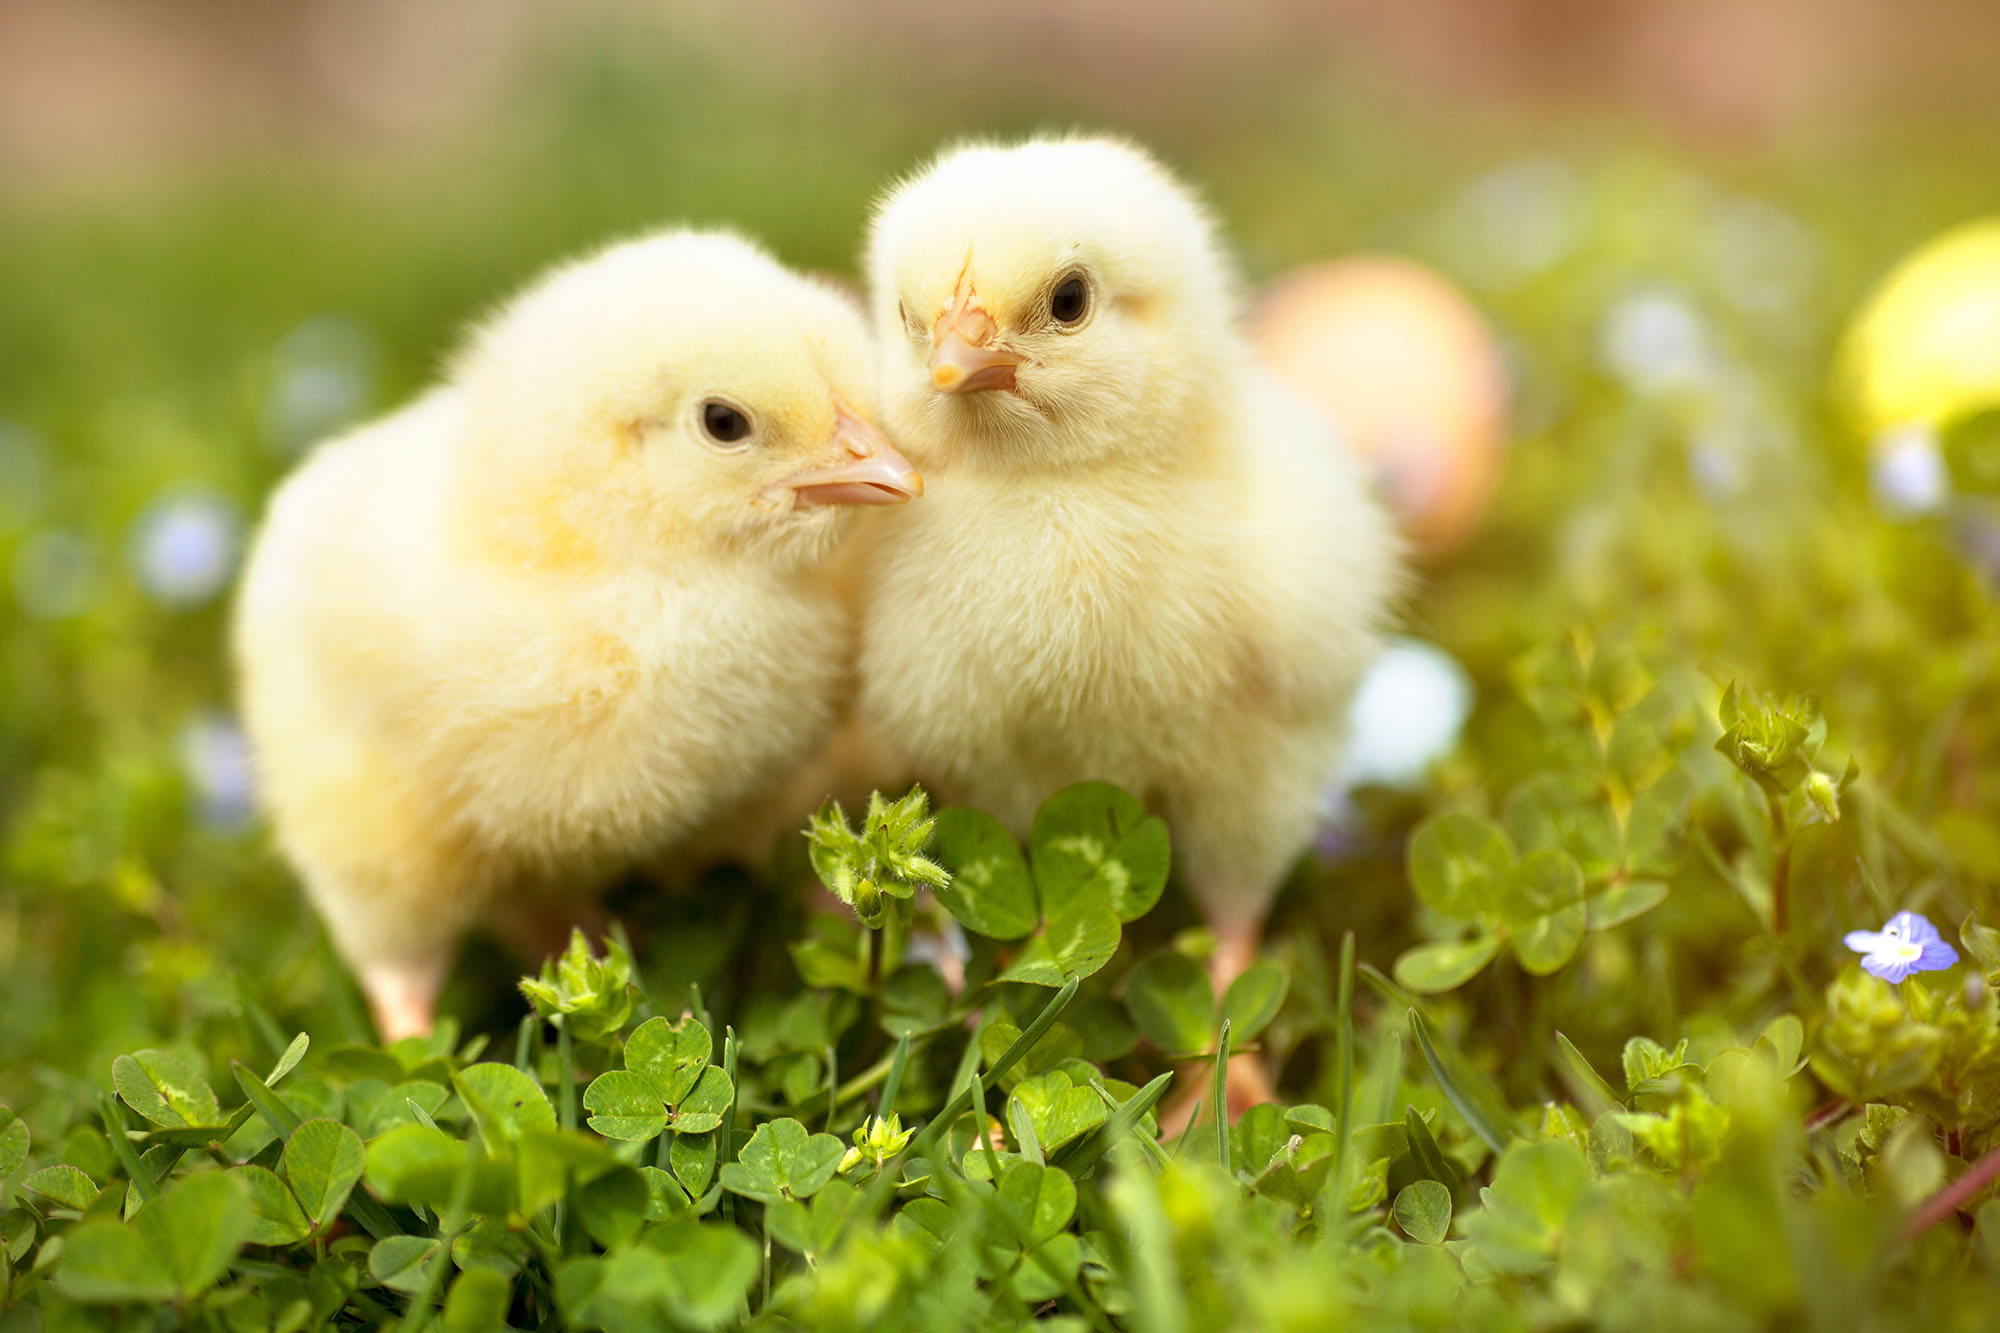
pixel 1141 560
pixel 546 620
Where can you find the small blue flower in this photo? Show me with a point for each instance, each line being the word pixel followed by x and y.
pixel 1907 944
pixel 215 757
pixel 1908 473
pixel 1407 712
pixel 184 547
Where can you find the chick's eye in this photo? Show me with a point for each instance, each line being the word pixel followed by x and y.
pixel 723 423
pixel 1070 301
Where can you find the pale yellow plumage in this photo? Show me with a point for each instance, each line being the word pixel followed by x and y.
pixel 1141 560
pixel 541 624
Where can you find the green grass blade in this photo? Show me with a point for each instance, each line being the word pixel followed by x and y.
pixel 1187 1130
pixel 979 1129
pixel 1385 986
pixel 1430 1158
pixel 1453 1079
pixel 1080 1155
pixel 121 1144
pixel 280 1117
pixel 968 1060
pixel 1159 1305
pixel 832 1087
pixel 1222 1096
pixel 1344 1034
pixel 725 1147
pixel 202 1136
pixel 893 1084
pixel 1386 1076
pixel 1026 1141
pixel 1008 1059
pixel 361 1205
pixel 1585 1083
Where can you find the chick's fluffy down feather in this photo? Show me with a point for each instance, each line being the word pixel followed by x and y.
pixel 536 626
pixel 1145 562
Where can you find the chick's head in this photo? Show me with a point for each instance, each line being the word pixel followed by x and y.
pixel 1055 302
pixel 676 395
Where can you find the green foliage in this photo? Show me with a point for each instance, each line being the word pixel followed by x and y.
pixel 667 1080
pixel 781 1161
pixel 876 1142
pixel 1096 860
pixel 323 1160
pixel 166 1088
pixel 589 995
pixel 173 1249
pixel 1464 866
pixel 881 864
pixel 1607 1064
pixel 1423 1211
pixel 1173 1005
pixel 469 1203
pixel 1583 847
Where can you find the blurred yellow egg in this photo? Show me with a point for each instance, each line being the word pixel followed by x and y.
pixel 1407 368
pixel 1925 348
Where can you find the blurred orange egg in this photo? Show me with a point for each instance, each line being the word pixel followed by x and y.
pixel 1410 372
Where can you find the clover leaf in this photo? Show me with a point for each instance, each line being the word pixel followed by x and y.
pixel 667 1081
pixel 171 1250
pixel 783 1161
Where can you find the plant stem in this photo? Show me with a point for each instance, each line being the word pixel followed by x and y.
pixel 884 1183
pixel 726 1148
pixel 1947 1200
pixel 565 1078
pixel 1344 1069
pixel 832 1087
pixel 1781 866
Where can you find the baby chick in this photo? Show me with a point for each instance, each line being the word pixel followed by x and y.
pixel 549 618
pixel 1142 560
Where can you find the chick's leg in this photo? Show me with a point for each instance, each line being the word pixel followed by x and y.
pixel 397 921
pixel 377 853
pixel 403 995
pixel 1238 843
pixel 1237 937
pixel 401 961
pixel 1235 911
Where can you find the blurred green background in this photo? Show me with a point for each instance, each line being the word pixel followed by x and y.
pixel 227 229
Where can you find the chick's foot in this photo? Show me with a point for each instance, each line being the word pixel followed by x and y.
pixel 403 999
pixel 1248 1082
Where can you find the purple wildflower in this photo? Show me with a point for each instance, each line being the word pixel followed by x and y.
pixel 1909 943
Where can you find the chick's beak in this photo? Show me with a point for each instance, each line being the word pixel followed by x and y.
pixel 963 357
pixel 872 471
